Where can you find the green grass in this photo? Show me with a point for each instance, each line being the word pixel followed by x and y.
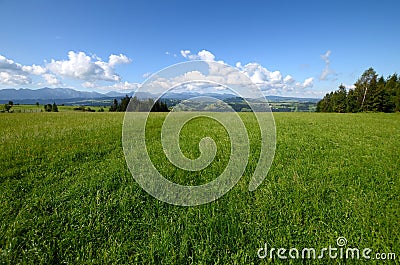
pixel 66 194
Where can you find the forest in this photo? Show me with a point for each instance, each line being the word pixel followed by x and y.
pixel 370 94
pixel 138 105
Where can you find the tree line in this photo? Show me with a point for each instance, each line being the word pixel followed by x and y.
pixel 138 105
pixel 370 93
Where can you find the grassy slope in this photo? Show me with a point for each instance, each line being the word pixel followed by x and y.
pixel 66 194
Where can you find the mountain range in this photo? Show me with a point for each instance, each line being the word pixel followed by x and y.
pixel 69 95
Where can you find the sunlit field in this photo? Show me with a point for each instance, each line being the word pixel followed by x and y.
pixel 67 196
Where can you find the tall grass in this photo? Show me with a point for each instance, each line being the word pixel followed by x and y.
pixel 67 196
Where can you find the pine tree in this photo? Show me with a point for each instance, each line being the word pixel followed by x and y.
pixel 351 101
pixel 54 108
pixel 340 99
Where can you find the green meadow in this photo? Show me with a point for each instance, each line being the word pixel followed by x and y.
pixel 67 196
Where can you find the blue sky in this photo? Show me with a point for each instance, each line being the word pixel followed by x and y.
pixel 292 48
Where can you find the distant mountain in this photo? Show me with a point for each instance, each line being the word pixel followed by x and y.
pixel 293 99
pixel 117 94
pixel 188 95
pixel 46 93
pixel 71 96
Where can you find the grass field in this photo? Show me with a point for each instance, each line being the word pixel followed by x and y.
pixel 67 196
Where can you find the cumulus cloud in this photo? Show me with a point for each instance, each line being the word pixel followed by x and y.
pixel 327 69
pixel 51 79
pixel 309 82
pixel 15 74
pixel 90 69
pixel 13 79
pixel 288 79
pixel 94 73
pixel 125 86
pixel 34 69
pixel 272 81
pixel 12 73
pixel 9 65
pixel 120 86
pixel 206 55
pixel 118 59
pixel 201 55
pixel 80 66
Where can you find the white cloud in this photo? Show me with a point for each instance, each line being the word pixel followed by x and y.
pixel 118 59
pixel 327 69
pixel 88 84
pixel 123 86
pixel 185 53
pixel 12 74
pixel 119 87
pixel 14 79
pixel 206 55
pixel 288 79
pixel 349 86
pixel 271 81
pixel 9 65
pixel 201 55
pixel 80 66
pixel 34 69
pixel 309 82
pixel 51 79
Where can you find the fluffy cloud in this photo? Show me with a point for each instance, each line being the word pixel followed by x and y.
pixel 78 66
pixel 125 86
pixel 268 81
pixel 201 55
pixel 34 69
pixel 206 55
pixel 9 65
pixel 51 79
pixel 272 81
pixel 81 66
pixel 288 79
pixel 15 74
pixel 13 79
pixel 309 82
pixel 118 59
pixel 349 86
pixel 94 73
pixel 120 86
pixel 12 74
